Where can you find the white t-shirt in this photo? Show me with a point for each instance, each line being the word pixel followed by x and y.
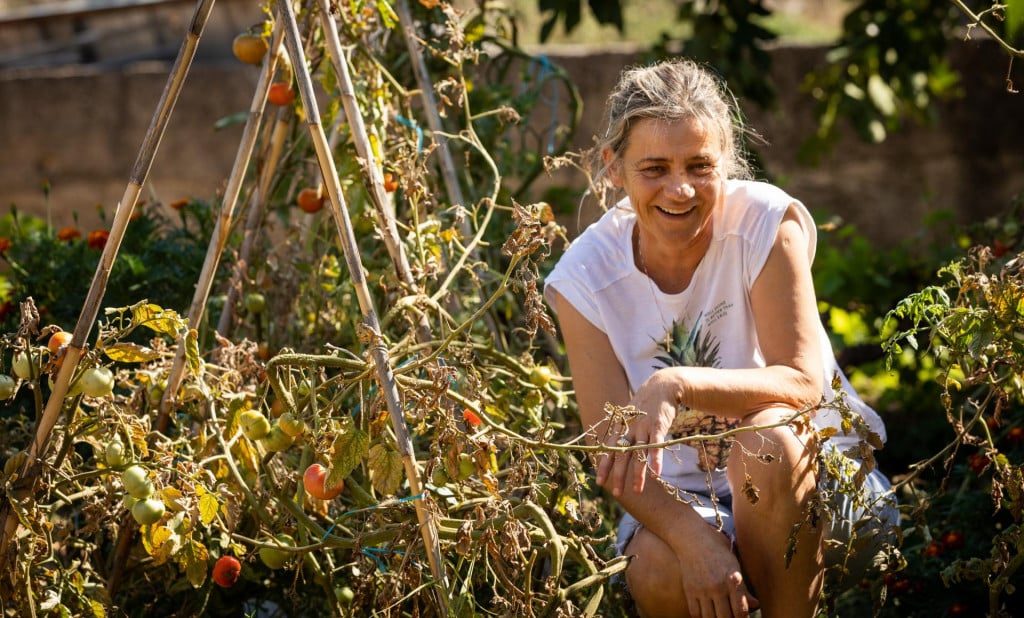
pixel 714 323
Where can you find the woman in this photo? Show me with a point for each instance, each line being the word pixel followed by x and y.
pixel 692 300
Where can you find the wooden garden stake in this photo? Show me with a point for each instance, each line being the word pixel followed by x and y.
pixel 385 213
pixel 451 179
pixel 362 143
pixel 258 202
pixel 371 334
pixel 222 228
pixel 90 309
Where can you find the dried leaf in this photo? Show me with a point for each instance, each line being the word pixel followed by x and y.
pixel 385 469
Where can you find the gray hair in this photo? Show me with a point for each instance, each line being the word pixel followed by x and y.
pixel 673 90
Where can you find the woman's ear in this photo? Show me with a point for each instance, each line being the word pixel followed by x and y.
pixel 613 165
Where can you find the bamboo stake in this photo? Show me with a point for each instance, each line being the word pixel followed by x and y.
pixel 386 222
pixel 258 205
pixel 90 309
pixel 384 211
pixel 451 179
pixel 382 364
pixel 222 228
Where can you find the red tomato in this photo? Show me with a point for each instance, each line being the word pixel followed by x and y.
pixel 226 571
pixel 315 482
pixel 280 93
pixel 310 200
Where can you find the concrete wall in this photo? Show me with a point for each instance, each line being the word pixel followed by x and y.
pixel 80 129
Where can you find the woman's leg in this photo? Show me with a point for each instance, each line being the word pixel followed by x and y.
pixel 778 465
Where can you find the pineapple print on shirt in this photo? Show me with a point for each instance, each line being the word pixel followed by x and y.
pixel 691 348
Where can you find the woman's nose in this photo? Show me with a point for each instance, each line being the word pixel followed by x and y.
pixel 680 185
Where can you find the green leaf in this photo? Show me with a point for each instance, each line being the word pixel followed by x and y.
pixel 350 448
pixel 385 469
pixel 1014 17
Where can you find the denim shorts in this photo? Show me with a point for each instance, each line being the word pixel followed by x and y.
pixel 858 523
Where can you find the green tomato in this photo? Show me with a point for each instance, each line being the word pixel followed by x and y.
pixel 291 425
pixel 26 365
pixel 540 376
pixel 254 424
pixel 97 382
pixel 113 454
pixel 345 594
pixel 255 303
pixel 277 440
pixel 277 558
pixel 148 511
pixel 137 482
pixel 8 386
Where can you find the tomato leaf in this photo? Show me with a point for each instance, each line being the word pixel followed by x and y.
pixel 385 469
pixel 193 558
pixel 195 364
pixel 350 448
pixel 130 353
pixel 156 318
pixel 1014 17
pixel 208 505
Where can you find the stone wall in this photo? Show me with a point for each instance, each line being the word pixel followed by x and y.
pixel 79 128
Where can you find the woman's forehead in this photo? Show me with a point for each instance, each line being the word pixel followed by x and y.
pixel 650 136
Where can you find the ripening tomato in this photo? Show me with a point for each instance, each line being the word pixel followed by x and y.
pixel 315 482
pixel 226 571
pixel 933 549
pixel 280 93
pixel 249 48
pixel 1015 435
pixel 954 539
pixel 310 200
pixel 390 184
pixel 57 342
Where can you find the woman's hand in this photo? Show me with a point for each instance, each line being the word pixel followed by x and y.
pixel 656 403
pixel 712 579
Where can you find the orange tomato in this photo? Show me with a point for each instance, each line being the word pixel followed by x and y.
pixel 280 93
pixel 390 184
pixel 310 200
pixel 58 345
pixel 249 48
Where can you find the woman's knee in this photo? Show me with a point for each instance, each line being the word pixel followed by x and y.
pixel 653 576
pixel 775 459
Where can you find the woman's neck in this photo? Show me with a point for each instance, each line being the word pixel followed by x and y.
pixel 671 268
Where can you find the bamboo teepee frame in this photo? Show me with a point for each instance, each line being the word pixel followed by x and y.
pixel 286 29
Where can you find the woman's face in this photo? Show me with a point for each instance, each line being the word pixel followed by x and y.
pixel 671 172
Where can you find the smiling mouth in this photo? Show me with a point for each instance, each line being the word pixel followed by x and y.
pixel 675 213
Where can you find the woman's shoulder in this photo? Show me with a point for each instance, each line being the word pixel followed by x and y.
pixel 753 205
pixel 603 243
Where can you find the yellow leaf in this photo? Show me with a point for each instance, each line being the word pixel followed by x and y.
pixel 209 506
pixel 193 559
pixel 173 498
pixel 130 353
pixel 195 364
